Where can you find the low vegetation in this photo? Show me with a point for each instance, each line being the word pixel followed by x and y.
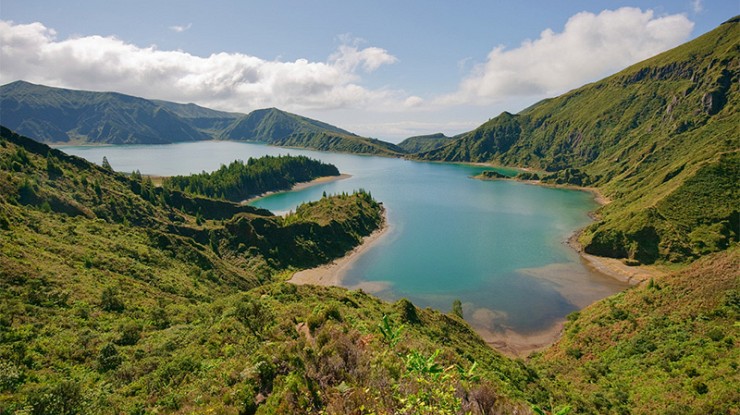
pixel 669 346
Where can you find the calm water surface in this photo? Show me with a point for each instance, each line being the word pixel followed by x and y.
pixel 498 246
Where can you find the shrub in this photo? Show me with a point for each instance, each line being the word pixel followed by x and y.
pixel 457 308
pixel 110 301
pixel 408 311
pixel 130 333
pixel 254 315
pixel 64 398
pixel 108 358
pixel 10 376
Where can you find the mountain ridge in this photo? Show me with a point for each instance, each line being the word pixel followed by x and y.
pixel 424 143
pixel 58 115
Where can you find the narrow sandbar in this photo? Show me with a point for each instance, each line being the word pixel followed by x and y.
pixel 331 274
pixel 300 186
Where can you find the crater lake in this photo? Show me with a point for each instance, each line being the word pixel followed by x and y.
pixel 497 246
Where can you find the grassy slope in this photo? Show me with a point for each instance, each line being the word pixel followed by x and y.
pixel 667 347
pixel 281 128
pixel 63 115
pixel 57 115
pixel 424 143
pixel 205 120
pixel 123 304
pixel 638 136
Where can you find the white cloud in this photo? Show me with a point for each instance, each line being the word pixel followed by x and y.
pixel 697 6
pixel 590 46
pixel 350 57
pixel 231 81
pixel 181 28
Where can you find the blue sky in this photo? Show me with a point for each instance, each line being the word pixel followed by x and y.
pixel 386 69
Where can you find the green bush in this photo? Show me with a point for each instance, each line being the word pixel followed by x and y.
pixel 108 358
pixel 63 398
pixel 110 301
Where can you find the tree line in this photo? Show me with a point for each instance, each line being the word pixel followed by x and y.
pixel 239 181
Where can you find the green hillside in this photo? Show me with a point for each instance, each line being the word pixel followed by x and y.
pixel 667 347
pixel 281 128
pixel 119 297
pixel 57 115
pixel 645 137
pixel 206 120
pixel 424 143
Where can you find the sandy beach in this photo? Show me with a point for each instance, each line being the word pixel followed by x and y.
pixel 331 274
pixel 514 344
pixel 614 267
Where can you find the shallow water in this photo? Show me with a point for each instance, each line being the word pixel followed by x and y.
pixel 498 246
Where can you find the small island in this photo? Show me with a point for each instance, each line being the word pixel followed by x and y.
pixel 491 175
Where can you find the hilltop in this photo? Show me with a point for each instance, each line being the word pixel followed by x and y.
pixel 280 128
pixel 57 115
pixel 658 138
pixel 424 143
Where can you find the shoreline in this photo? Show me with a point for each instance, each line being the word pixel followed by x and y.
pixel 521 345
pixel 331 274
pixel 299 186
pixel 506 341
pixel 610 267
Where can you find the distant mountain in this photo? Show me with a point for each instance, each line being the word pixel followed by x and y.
pixel 659 138
pixel 281 128
pixel 203 119
pixel 425 143
pixel 56 115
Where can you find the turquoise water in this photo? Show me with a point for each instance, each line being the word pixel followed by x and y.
pixel 498 246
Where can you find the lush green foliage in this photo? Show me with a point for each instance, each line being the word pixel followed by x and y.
pixel 424 143
pixel 114 300
pixel 638 136
pixel 239 181
pixel 665 347
pixel 62 115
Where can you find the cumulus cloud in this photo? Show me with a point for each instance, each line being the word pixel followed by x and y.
pixel 590 46
pixel 230 81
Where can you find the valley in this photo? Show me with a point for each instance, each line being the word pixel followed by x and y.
pixel 456 295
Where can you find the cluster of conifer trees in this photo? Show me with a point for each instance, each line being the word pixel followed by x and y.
pixel 239 181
